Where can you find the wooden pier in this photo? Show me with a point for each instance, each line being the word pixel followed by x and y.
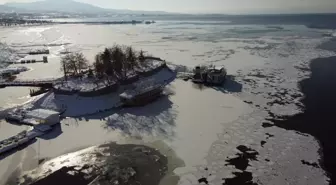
pixel 29 83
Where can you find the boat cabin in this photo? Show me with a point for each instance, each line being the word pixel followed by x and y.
pixel 216 76
pixel 41 116
pixel 209 75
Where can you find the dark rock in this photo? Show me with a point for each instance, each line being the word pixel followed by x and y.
pixel 241 178
pixel 203 180
pixel 266 125
pixel 241 161
pixel 269 135
pixel 315 165
pixel 248 102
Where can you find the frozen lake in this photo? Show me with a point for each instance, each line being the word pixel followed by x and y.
pixel 205 127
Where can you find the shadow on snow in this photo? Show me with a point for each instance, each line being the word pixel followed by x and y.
pixel 54 133
pixel 156 118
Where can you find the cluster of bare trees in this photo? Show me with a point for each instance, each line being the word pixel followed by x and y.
pixel 117 62
pixel 73 64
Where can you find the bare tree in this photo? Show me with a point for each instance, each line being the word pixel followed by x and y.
pixel 64 67
pixel 99 66
pixel 68 63
pixel 73 63
pixel 117 57
pixel 107 62
pixel 81 62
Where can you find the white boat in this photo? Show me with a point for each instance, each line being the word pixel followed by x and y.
pixel 13 142
pixel 8 147
pixel 23 137
pixel 8 144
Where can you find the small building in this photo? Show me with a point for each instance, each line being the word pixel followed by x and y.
pixel 45 59
pixel 209 75
pixel 42 116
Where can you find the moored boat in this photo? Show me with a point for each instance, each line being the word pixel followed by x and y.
pixel 209 75
pixel 13 142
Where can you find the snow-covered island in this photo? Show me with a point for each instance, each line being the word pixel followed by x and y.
pixel 89 89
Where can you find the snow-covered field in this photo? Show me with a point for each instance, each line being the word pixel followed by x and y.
pixel 207 128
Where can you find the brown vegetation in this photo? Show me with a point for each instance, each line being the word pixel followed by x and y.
pixel 73 63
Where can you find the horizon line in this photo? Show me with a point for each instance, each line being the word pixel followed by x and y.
pixel 185 13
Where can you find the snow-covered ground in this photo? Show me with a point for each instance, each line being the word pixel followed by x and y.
pixel 91 84
pixel 81 84
pixel 205 127
pixel 80 106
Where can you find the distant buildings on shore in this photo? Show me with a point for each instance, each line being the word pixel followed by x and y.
pixel 15 22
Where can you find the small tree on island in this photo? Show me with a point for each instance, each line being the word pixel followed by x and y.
pixel 98 66
pixel 64 68
pixel 131 58
pixel 107 62
pixel 73 63
pixel 141 57
pixel 81 62
pixel 118 59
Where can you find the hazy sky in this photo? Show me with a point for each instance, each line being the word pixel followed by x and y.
pixel 216 6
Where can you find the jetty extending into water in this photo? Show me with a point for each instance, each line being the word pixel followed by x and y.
pixel 20 22
pixel 29 83
pixel 18 140
pixel 42 121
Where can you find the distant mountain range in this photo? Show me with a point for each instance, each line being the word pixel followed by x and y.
pixel 68 6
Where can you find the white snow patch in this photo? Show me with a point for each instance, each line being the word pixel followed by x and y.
pixel 82 84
